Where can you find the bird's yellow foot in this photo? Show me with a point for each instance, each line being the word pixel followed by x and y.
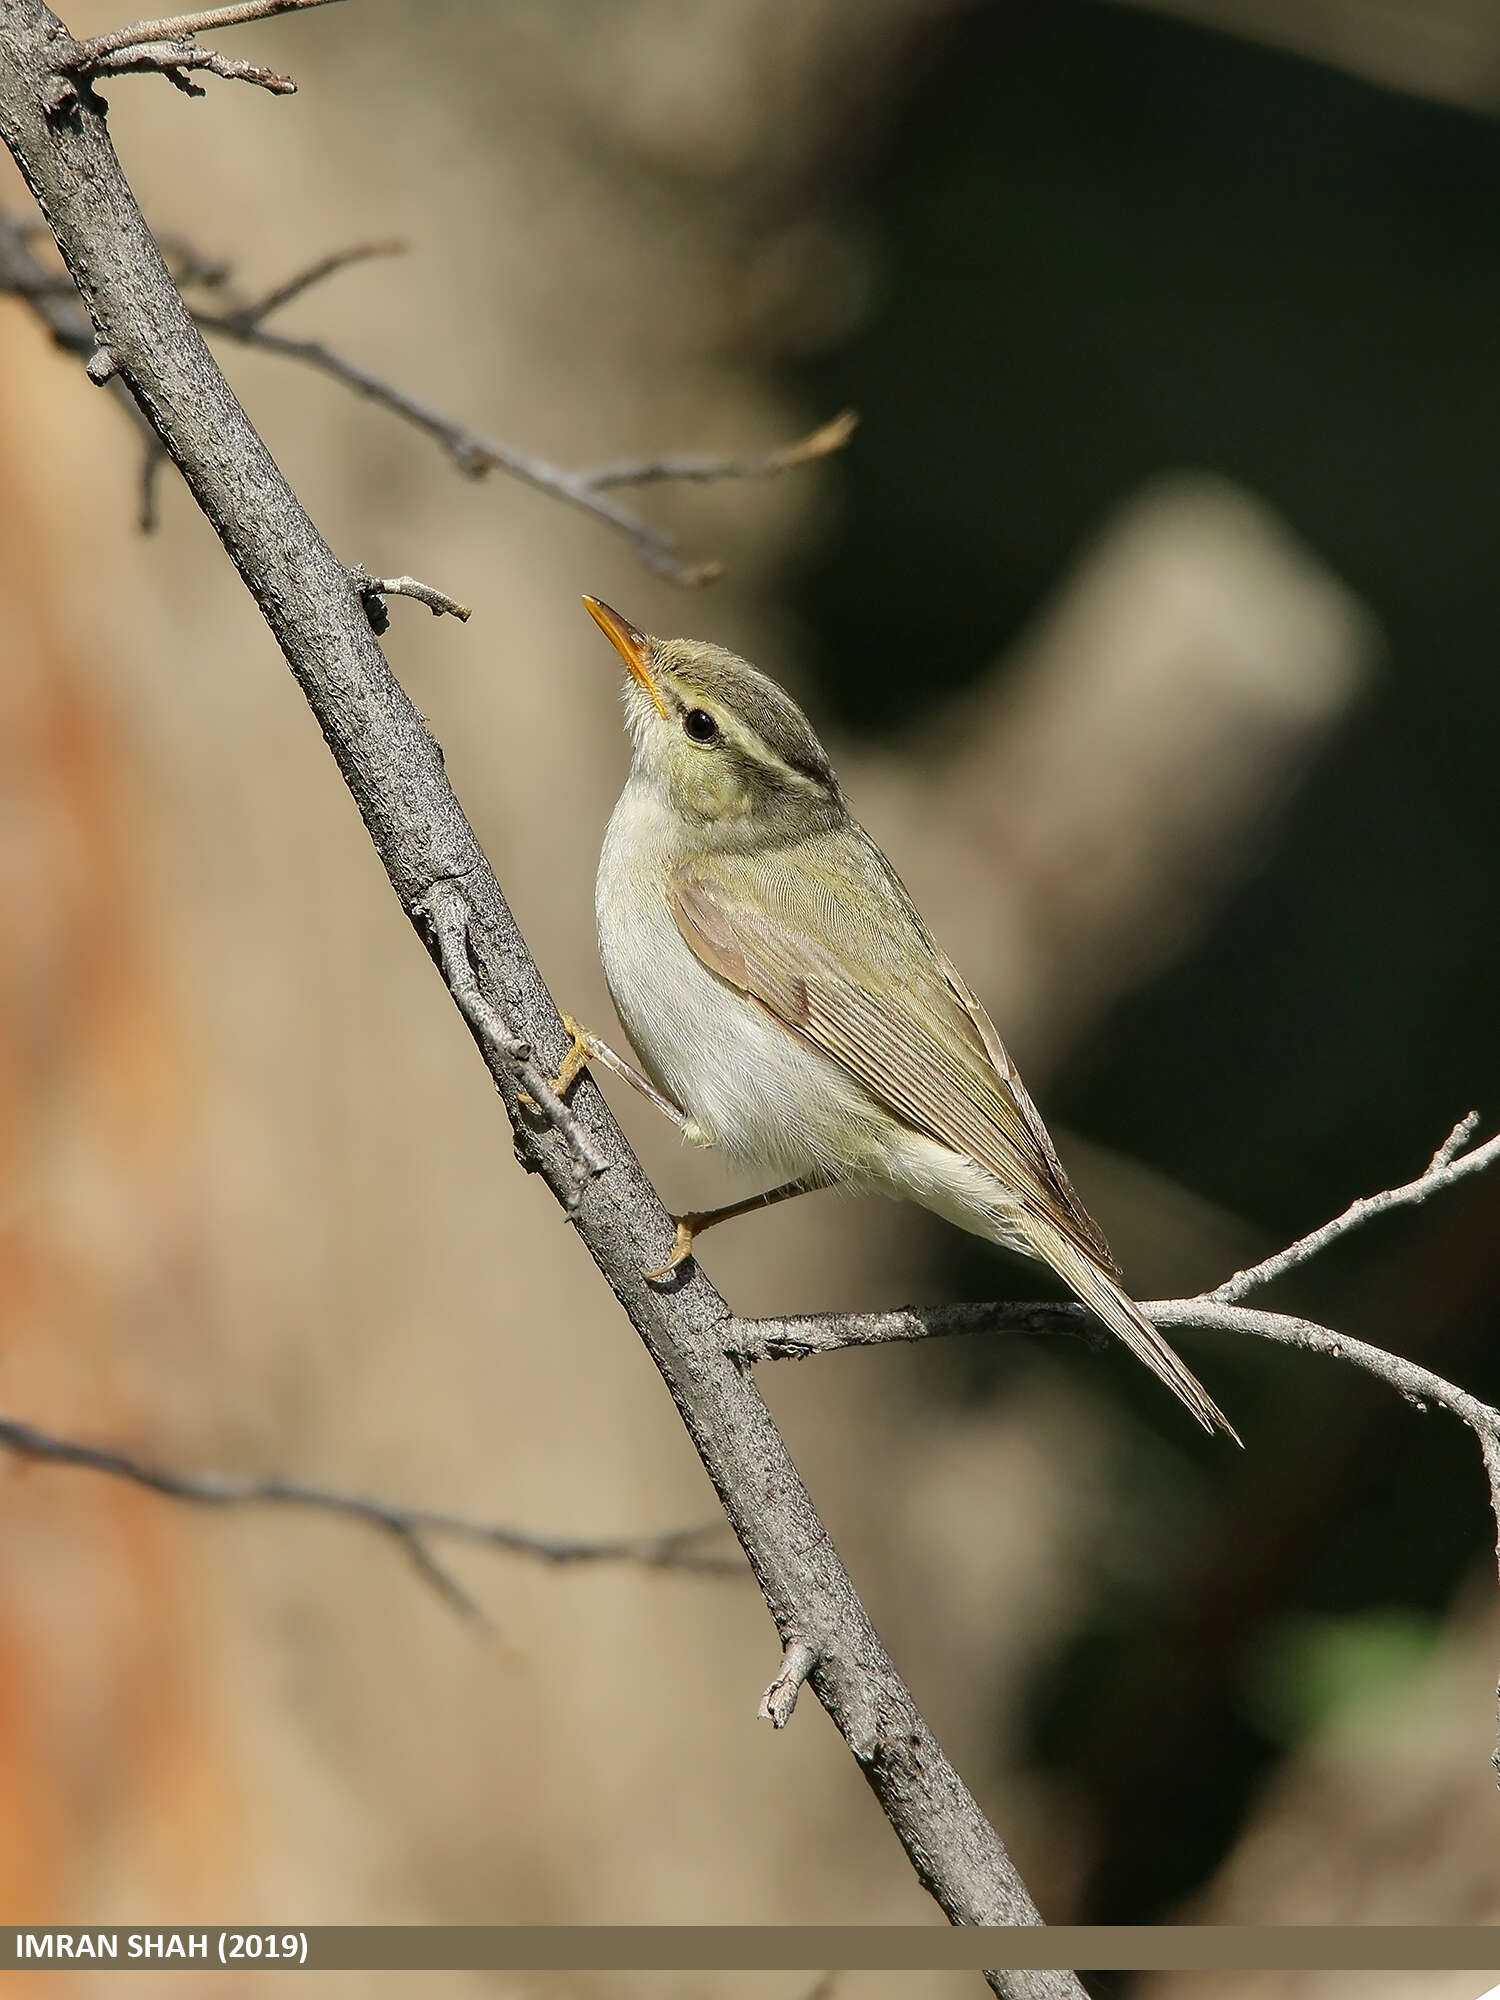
pixel 573 1063
pixel 577 1058
pixel 688 1227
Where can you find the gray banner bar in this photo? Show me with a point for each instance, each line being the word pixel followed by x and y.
pixel 673 1948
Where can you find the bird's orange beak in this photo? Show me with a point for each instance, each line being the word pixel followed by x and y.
pixel 633 647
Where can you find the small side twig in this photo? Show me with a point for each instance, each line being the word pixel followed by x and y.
pixel 445 913
pixel 374 590
pixel 168 47
pixel 780 1699
pixel 799 1336
pixel 1448 1164
pixel 181 27
pixel 700 467
pixel 174 61
pixel 257 310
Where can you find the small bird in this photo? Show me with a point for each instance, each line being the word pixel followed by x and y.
pixel 787 1000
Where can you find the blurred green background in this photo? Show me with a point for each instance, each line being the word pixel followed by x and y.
pixel 1113 245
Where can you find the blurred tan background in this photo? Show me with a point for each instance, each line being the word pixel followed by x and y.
pixel 257 1206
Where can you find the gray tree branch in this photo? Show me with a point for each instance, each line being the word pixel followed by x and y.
pixel 1447 1165
pixel 181 27
pixel 414 1528
pixel 798 1337
pixel 167 47
pixel 394 772
pixel 244 321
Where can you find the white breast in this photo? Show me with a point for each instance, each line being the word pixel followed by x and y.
pixel 746 1083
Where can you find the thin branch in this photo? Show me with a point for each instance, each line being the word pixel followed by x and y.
pixel 1447 1165
pixel 701 466
pixel 412 1527
pixel 395 774
pixel 375 589
pixel 314 274
pixel 796 1339
pixel 182 27
pixel 174 60
pixel 1217 1312
pixel 476 455
pixel 1420 1386
pixel 189 266
pixel 473 454
pixel 801 1335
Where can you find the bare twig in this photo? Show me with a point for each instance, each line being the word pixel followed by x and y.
pixel 777 1703
pixel 445 913
pixel 1447 1165
pixel 702 466
pixel 375 589
pixel 1420 1386
pixel 473 454
pixel 174 60
pixel 801 1335
pixel 182 27
pixel 798 1338
pixel 476 455
pixel 256 310
pixel 412 1527
pixel 1216 1311
pixel 189 266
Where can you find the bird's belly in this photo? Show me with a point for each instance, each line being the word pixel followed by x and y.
pixel 746 1083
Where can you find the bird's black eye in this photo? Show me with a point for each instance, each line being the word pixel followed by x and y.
pixel 700 725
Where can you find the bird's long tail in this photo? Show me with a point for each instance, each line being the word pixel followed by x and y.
pixel 1123 1316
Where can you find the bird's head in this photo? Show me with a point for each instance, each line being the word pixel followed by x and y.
pixel 724 747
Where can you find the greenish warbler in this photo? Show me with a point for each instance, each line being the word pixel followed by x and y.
pixel 787 1000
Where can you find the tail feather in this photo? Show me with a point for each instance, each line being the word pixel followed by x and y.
pixel 1123 1316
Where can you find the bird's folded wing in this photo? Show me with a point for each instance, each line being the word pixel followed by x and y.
pixel 873 992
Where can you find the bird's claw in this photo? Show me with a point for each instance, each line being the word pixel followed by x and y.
pixel 573 1063
pixel 682 1250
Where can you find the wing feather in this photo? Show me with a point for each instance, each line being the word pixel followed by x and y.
pixel 875 994
pixel 872 992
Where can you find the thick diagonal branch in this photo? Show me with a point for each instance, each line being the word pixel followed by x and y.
pixel 395 774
